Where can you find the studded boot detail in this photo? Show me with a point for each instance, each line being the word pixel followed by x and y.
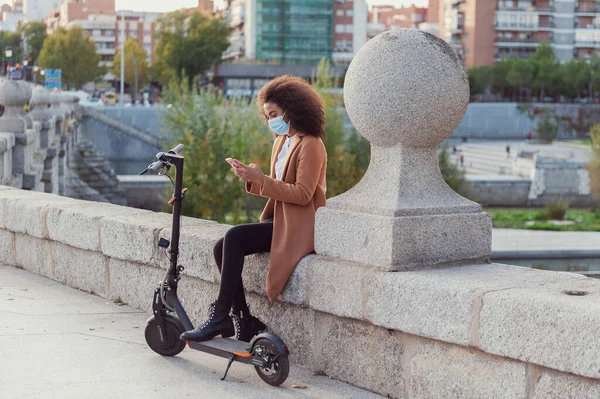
pixel 219 323
pixel 246 325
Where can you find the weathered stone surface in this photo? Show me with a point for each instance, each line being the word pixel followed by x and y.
pixel 31 253
pixel 133 238
pixel 337 287
pixel 196 295
pixel 403 242
pixel 360 353
pixel 439 370
pixel 7 253
pixel 553 385
pixel 296 290
pixel 402 214
pixel 77 223
pixel 254 277
pixel 411 83
pixel 543 325
pixel 78 268
pixel 254 274
pixel 196 243
pixel 133 283
pixel 27 214
pixel 12 215
pixel 442 303
pixel 294 324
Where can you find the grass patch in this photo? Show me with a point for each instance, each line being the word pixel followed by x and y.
pixel 584 219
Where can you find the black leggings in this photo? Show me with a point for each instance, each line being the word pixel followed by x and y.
pixel 239 241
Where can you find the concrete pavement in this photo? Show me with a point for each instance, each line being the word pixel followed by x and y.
pixel 541 240
pixel 58 342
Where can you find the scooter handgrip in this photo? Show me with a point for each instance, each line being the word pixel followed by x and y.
pixel 177 149
pixel 155 167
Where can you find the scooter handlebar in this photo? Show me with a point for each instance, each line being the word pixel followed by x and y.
pixel 177 149
pixel 155 167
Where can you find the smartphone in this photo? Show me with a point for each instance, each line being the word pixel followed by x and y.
pixel 232 161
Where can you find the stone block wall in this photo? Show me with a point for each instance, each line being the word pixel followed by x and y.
pixel 484 330
pixel 501 192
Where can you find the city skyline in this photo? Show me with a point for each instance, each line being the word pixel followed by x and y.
pixel 172 5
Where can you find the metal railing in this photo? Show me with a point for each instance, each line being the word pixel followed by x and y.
pixel 517 26
pixel 519 40
pixel 530 9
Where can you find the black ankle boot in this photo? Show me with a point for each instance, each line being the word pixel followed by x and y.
pixel 218 323
pixel 246 325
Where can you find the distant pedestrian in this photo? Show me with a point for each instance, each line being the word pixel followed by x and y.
pixel 529 135
pixel 462 161
pixel 453 149
pixel 508 151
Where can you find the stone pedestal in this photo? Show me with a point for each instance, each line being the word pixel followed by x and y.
pixel 405 92
pixel 7 142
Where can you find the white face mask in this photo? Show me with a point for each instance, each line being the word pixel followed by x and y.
pixel 278 125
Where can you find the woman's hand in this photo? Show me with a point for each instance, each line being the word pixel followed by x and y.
pixel 250 173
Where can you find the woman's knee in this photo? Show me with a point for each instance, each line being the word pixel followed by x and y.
pixel 234 234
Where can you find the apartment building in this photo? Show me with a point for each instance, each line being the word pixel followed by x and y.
pixel 103 24
pixel 101 29
pixel 392 17
pixel 295 32
pixel 484 31
pixel 349 29
pixel 142 26
pixel 36 10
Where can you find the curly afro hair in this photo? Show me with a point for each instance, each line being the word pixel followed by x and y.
pixel 301 102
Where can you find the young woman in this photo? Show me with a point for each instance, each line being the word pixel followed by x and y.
pixel 295 187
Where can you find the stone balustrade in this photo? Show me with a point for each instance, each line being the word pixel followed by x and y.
pixel 401 297
pixel 34 145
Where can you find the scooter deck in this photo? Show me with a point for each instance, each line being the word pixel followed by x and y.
pixel 222 344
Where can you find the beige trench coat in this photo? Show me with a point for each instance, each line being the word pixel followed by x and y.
pixel 293 202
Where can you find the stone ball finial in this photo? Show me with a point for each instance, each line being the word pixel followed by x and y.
pixel 41 102
pixel 417 75
pixel 27 90
pixel 11 93
pixel 41 96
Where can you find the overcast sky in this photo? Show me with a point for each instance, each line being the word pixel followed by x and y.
pixel 171 5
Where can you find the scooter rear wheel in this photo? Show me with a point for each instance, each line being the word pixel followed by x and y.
pixel 172 345
pixel 279 369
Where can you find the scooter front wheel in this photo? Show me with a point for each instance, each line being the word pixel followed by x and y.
pixel 170 344
pixel 278 364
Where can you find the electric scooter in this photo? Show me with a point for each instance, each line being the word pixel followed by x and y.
pixel 266 352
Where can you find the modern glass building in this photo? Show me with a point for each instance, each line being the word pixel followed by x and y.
pixel 289 31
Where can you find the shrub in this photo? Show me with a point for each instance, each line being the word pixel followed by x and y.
pixel 557 210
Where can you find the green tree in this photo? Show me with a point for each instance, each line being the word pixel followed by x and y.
pixel 499 72
pixel 576 77
pixel 136 66
pixel 212 129
pixel 548 73
pixel 595 74
pixel 74 54
pixel 189 44
pixel 547 126
pixel 594 163
pixel 520 75
pixel 453 176
pixel 346 150
pixel 12 41
pixel 480 79
pixel 34 34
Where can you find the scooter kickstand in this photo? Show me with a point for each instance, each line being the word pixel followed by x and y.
pixel 228 365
